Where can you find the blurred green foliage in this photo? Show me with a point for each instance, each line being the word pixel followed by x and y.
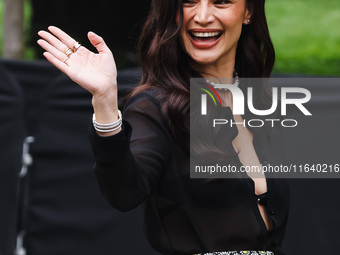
pixel 306 36
pixel 1 25
pixel 305 33
pixel 29 51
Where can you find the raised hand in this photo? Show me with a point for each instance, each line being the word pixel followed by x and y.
pixel 96 72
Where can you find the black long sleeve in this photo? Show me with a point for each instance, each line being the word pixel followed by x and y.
pixel 130 163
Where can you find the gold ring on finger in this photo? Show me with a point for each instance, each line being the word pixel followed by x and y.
pixel 64 61
pixel 68 52
pixel 76 46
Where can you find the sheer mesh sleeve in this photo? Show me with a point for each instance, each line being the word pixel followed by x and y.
pixel 130 164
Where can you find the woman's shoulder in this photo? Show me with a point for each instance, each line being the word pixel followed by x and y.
pixel 145 99
pixel 143 109
pixel 145 104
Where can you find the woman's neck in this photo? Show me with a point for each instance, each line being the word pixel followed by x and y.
pixel 216 70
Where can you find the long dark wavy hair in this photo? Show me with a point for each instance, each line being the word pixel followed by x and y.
pixel 165 64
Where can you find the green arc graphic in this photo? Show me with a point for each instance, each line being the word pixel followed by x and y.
pixel 209 95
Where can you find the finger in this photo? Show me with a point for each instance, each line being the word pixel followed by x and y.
pixel 52 40
pixel 55 52
pixel 56 62
pixel 98 42
pixel 62 36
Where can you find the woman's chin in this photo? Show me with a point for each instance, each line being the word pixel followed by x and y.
pixel 204 60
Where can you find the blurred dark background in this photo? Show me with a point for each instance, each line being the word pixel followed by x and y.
pixel 118 22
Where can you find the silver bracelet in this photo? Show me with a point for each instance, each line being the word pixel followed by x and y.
pixel 106 130
pixel 109 127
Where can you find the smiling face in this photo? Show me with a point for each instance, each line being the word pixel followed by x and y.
pixel 211 30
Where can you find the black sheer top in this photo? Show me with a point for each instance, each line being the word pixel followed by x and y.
pixel 143 164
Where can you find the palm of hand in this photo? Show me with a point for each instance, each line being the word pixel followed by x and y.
pixel 94 72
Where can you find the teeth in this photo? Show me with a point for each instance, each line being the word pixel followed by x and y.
pixel 212 34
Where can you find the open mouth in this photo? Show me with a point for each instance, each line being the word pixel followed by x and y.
pixel 205 37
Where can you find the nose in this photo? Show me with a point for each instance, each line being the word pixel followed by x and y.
pixel 204 14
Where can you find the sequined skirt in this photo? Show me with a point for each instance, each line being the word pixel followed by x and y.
pixel 238 253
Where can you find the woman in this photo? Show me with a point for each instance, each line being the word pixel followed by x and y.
pixel 143 157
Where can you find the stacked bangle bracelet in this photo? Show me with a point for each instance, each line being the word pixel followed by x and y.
pixel 109 127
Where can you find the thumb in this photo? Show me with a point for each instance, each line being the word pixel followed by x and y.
pixel 98 42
